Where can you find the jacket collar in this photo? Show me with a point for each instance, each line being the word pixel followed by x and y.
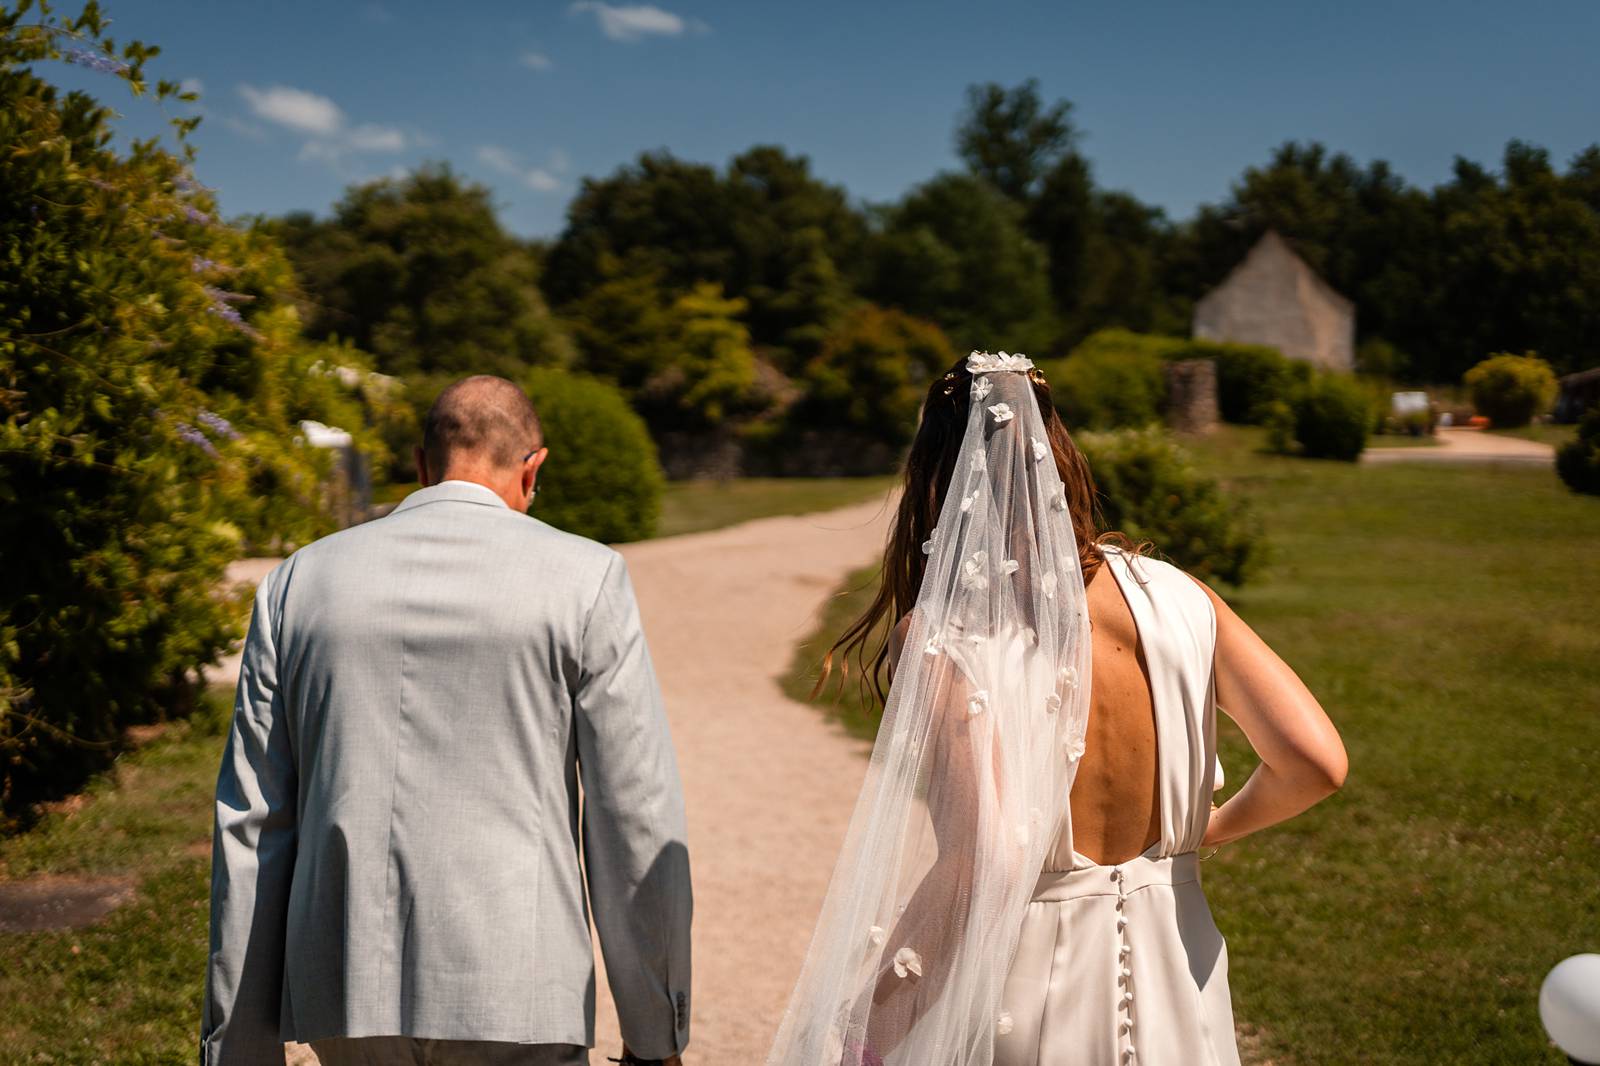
pixel 456 491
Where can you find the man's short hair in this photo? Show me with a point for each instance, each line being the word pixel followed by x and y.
pixel 483 416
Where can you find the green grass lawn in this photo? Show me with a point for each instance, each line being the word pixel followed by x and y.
pixel 694 506
pixel 1551 433
pixel 128 989
pixel 1445 616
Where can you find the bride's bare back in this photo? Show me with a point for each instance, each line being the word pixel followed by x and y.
pixel 1115 812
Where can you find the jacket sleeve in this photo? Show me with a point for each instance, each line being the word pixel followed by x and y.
pixel 635 855
pixel 252 861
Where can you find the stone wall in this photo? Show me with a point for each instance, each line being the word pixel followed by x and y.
pixel 1191 405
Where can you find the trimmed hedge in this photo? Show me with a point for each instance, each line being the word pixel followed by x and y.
pixel 1113 379
pixel 1511 389
pixel 1578 461
pixel 1151 489
pixel 603 479
pixel 1332 417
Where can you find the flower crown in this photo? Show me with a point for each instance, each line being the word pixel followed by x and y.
pixel 985 363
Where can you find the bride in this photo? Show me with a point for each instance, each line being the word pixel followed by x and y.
pixel 1019 882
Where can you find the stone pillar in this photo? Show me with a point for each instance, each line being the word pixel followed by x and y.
pixel 1191 395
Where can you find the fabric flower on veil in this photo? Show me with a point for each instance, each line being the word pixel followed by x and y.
pixel 907 961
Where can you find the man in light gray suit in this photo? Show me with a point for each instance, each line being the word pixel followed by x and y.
pixel 396 873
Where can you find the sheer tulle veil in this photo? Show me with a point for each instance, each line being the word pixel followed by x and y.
pixel 967 786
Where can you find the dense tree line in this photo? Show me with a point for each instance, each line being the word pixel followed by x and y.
pixel 718 299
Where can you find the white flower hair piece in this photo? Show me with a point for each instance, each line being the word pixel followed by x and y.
pixel 933 647
pixel 907 961
pixel 981 388
pixel 1040 449
pixel 876 934
pixel 978 702
pixel 1009 567
pixel 1069 676
pixel 1002 413
pixel 1047 584
pixel 1073 746
pixel 1003 1023
pixel 986 363
pixel 1052 703
pixel 927 545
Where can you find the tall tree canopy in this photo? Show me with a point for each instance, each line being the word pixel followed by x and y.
pixel 419 271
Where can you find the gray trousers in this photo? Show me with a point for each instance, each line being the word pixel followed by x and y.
pixel 408 1051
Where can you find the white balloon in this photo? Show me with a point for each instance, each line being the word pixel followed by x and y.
pixel 1569 1006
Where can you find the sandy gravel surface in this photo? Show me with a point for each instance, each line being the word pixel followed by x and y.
pixel 1461 444
pixel 769 783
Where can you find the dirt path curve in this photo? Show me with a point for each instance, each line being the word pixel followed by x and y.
pixel 769 783
pixel 1461 444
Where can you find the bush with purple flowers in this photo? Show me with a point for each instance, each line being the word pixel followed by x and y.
pixel 139 452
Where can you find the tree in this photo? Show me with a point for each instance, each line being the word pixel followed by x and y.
pixel 768 232
pixel 419 271
pixel 954 252
pixel 1009 138
pixel 871 375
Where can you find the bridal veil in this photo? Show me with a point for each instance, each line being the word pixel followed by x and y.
pixel 966 791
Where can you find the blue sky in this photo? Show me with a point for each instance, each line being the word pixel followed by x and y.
pixel 1175 99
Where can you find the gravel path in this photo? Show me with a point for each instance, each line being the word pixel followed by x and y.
pixel 769 783
pixel 1464 445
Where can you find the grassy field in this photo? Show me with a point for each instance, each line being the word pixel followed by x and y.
pixel 1549 433
pixel 126 990
pixel 1445 616
pixel 693 506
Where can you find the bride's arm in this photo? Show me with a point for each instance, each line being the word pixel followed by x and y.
pixel 1303 760
pixel 933 923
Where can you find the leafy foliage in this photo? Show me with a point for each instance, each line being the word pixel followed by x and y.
pixel 419 271
pixel 1151 489
pixel 1332 417
pixel 954 252
pixel 1578 461
pixel 768 232
pixel 602 479
pixel 152 374
pixel 1511 389
pixel 871 375
pixel 1250 377
pixel 1113 380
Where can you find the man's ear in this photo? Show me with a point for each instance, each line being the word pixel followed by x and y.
pixel 530 469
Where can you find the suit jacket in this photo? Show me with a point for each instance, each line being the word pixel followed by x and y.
pixel 399 846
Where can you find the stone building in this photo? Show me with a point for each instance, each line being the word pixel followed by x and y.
pixel 1274 298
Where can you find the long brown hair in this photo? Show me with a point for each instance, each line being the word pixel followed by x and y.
pixel 929 468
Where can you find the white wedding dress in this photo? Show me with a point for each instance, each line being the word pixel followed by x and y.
pixel 1122 964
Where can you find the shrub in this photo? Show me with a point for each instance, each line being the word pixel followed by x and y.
pixel 1249 378
pixel 152 375
pixel 1278 418
pixel 1332 417
pixel 1510 389
pixel 1578 461
pixel 1113 380
pixel 871 375
pixel 1150 489
pixel 602 479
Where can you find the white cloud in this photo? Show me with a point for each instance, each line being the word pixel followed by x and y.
pixel 496 158
pixel 329 139
pixel 539 179
pixel 371 138
pixel 299 110
pixel 243 128
pixel 634 22
pixel 535 61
